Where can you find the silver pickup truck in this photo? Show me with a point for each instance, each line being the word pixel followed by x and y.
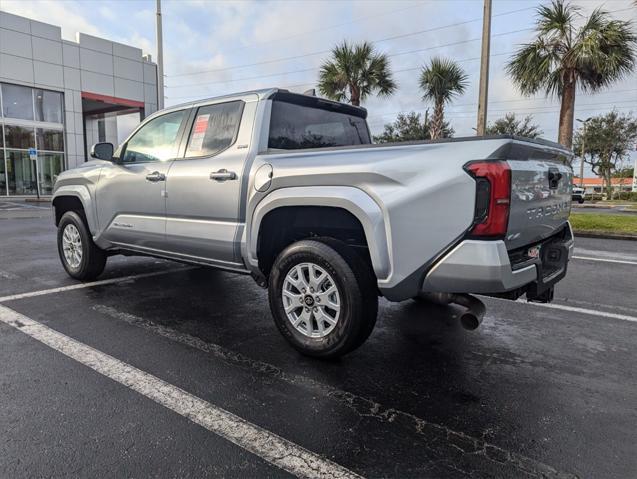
pixel 290 189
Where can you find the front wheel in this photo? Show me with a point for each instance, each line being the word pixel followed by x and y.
pixel 82 259
pixel 323 297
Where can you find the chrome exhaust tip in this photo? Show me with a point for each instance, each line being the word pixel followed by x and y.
pixel 471 318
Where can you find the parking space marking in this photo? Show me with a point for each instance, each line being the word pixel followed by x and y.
pixel 363 406
pixel 269 446
pixel 602 254
pixel 605 260
pixel 42 292
pixel 575 309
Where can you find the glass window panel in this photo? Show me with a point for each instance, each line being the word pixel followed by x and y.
pixel 295 126
pixel 214 129
pixel 18 137
pixel 49 167
pixel 3 175
pixel 17 102
pixel 48 106
pixel 156 140
pixel 21 173
pixel 52 140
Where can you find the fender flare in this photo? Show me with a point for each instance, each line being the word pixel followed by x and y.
pixel 351 199
pixel 82 193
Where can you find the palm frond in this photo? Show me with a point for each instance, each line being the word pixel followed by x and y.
pixel 355 69
pixel 442 79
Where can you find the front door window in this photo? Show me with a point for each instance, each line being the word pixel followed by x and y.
pixel 156 140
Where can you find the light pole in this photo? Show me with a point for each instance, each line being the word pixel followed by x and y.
pixel 160 60
pixel 581 163
pixel 484 69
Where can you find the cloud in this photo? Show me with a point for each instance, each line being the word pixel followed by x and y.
pixel 240 39
pixel 107 13
pixel 62 14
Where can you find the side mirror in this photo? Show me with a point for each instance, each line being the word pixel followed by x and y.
pixel 102 151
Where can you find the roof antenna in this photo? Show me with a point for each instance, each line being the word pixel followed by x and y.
pixel 310 92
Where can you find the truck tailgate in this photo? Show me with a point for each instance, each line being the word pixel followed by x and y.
pixel 540 193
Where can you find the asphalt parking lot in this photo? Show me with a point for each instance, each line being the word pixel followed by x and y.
pixel 163 370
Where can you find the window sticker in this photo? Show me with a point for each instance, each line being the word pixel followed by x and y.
pixel 199 132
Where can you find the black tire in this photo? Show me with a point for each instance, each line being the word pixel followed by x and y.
pixel 357 290
pixel 93 259
pixel 580 201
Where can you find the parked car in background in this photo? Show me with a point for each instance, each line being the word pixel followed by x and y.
pixel 577 194
pixel 289 189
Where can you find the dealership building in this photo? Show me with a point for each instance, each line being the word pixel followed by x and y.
pixel 58 97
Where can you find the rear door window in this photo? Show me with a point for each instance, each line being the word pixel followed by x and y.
pixel 214 129
pixel 295 126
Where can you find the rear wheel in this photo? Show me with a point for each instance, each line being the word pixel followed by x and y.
pixel 81 257
pixel 323 297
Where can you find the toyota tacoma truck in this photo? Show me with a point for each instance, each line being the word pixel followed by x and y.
pixel 289 189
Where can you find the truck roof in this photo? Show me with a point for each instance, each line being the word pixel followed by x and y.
pixel 261 93
pixel 265 93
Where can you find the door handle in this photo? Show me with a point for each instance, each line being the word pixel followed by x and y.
pixel 156 176
pixel 223 175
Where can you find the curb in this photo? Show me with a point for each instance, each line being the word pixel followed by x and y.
pixel 601 235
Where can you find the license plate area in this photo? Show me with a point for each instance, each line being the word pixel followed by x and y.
pixel 552 266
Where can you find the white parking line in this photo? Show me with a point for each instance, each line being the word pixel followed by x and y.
pixel 91 284
pixel 574 309
pixel 260 442
pixel 605 260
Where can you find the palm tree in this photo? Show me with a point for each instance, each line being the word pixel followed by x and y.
pixel 564 56
pixel 354 72
pixel 440 81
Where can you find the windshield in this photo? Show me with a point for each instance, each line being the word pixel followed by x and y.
pixel 295 126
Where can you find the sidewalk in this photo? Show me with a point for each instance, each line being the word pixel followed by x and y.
pixel 12 208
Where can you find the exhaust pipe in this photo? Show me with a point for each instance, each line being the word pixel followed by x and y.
pixel 471 318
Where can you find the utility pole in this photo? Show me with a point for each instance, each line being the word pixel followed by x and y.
pixel 484 69
pixel 583 150
pixel 160 60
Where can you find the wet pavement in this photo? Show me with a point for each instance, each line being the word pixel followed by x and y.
pixel 536 391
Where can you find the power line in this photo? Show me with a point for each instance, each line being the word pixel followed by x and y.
pixel 313 83
pixel 316 69
pixel 471 114
pixel 389 55
pixel 295 57
pixel 521 106
pixel 307 32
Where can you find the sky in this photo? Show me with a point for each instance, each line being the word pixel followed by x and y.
pixel 217 47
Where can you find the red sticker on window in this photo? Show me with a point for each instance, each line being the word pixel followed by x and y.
pixel 201 124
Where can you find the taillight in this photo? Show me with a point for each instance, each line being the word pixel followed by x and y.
pixel 493 197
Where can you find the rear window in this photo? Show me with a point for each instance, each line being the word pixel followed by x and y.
pixel 214 129
pixel 295 126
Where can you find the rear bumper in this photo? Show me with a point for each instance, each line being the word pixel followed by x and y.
pixel 475 266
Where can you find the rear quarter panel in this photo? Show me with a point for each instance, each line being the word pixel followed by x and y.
pixel 426 198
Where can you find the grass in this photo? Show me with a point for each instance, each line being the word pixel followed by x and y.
pixel 601 223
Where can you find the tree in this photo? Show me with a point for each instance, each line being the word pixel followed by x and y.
pixel 626 172
pixel 410 127
pixel 354 72
pixel 568 54
pixel 509 125
pixel 441 81
pixel 607 142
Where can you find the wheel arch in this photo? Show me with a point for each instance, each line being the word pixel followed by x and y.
pixel 334 202
pixel 70 198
